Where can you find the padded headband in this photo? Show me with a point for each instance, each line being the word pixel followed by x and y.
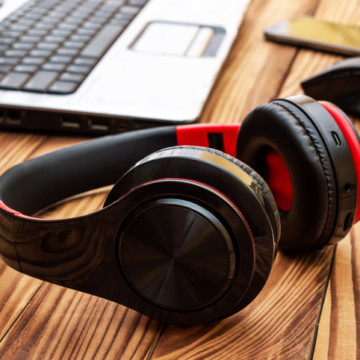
pixel 40 182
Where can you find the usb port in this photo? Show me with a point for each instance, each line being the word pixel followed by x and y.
pixel 99 125
pixel 70 123
pixel 13 117
pixel 121 126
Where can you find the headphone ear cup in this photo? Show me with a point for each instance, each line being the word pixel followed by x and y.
pixel 290 134
pixel 240 187
pixel 120 189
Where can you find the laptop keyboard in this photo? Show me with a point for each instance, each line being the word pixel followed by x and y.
pixel 50 46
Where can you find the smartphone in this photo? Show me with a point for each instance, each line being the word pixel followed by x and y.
pixel 317 34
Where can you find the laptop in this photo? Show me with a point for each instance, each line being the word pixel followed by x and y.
pixel 107 66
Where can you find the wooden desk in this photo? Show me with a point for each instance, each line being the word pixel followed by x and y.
pixel 310 307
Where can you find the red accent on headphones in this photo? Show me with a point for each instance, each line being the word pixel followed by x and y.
pixel 198 135
pixel 278 178
pixel 352 142
pixel 14 212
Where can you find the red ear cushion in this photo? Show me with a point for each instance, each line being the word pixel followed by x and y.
pixel 279 180
pixel 282 127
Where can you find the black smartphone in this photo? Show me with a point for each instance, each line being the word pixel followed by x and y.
pixel 317 34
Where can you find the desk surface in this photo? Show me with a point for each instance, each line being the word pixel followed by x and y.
pixel 310 307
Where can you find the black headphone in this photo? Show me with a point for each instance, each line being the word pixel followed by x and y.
pixel 189 233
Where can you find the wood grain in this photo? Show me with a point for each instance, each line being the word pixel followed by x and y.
pixel 339 330
pixel 63 324
pixel 255 69
pixel 279 324
pixel 43 321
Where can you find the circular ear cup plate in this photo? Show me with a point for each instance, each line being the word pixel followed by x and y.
pixel 299 130
pixel 203 169
pixel 181 256
pixel 178 254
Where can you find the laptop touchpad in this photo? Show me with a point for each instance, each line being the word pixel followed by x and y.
pixel 178 39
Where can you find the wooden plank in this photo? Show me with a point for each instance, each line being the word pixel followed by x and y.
pixel 339 330
pixel 255 69
pixel 279 324
pixel 61 323
pixel 16 292
pixel 17 147
pixel 16 289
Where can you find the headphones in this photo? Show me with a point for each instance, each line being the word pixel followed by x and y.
pixel 190 231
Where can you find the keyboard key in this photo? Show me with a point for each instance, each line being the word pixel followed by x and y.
pixel 30 39
pixel 73 45
pixel 6 41
pixel 63 87
pixel 67 76
pixel 11 34
pixel 130 10
pixel 36 32
pixel 22 46
pixel 5 68
pixel 84 61
pixel 67 51
pixel 137 2
pixel 32 60
pixel 101 41
pixel 29 69
pixel 41 80
pixel 8 61
pixel 79 38
pixel 54 39
pixel 40 53
pixel 54 67
pixel 60 33
pixel 59 29
pixel 60 59
pixel 78 69
pixel 46 46
pixel 14 80
pixel 15 53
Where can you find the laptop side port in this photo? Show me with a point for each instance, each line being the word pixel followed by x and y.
pixel 99 125
pixel 70 122
pixel 13 117
pixel 2 116
pixel 121 125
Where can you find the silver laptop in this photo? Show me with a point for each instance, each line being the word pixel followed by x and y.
pixel 104 66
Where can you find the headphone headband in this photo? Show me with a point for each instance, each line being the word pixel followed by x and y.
pixel 38 183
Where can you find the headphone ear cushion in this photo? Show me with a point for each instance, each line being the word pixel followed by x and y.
pixel 282 127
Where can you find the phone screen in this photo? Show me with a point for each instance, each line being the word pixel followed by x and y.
pixel 318 34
